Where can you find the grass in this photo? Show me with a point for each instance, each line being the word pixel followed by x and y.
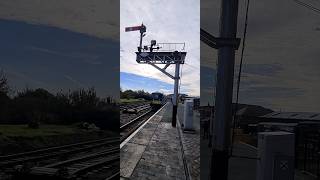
pixel 44 130
pixel 156 102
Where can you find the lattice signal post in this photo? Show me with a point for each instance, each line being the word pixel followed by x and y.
pixel 166 54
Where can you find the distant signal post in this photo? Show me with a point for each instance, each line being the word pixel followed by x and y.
pixel 142 28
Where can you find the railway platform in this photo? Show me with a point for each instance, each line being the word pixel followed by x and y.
pixel 158 151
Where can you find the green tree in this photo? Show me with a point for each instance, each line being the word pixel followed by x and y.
pixel 4 87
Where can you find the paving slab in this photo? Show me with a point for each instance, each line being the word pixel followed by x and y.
pixel 154 152
pixel 191 144
pixel 132 153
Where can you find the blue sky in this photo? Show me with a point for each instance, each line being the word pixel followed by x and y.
pixel 61 44
pixel 136 82
pixel 34 56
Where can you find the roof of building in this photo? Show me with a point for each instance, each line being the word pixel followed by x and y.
pixel 293 115
pixel 245 110
pixel 278 124
pixel 156 93
pixel 251 110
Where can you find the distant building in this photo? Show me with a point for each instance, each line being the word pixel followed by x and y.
pixel 170 96
pixel 281 120
pixel 196 103
pixel 291 117
pixel 246 114
pixel 157 96
pixel 183 96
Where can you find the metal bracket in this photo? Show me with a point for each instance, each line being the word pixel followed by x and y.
pixel 232 42
pixel 217 43
pixel 165 67
pixel 162 70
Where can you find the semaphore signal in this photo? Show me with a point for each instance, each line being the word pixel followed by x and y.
pixel 162 53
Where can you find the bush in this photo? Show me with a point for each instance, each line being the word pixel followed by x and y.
pixel 37 106
pixel 34 124
pixel 129 94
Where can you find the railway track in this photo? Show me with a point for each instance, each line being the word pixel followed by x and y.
pixel 98 159
pixel 99 165
pixel 127 129
pixel 132 111
pixel 54 152
pixel 130 123
pixel 23 163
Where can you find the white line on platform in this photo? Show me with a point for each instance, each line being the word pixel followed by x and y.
pixel 185 164
pixel 136 131
pixel 253 147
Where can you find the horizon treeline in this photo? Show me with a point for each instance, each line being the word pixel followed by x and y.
pixel 138 94
pixel 40 106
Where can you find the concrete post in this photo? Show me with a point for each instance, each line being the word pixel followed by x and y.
pixel 223 98
pixel 175 95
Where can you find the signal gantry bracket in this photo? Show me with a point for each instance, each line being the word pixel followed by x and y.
pixel 167 58
pixel 217 43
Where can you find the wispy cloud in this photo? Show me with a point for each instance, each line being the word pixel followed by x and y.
pixel 281 60
pixel 165 91
pixel 83 57
pixel 95 18
pixel 77 83
pixel 165 23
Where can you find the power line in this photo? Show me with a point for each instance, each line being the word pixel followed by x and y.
pixel 239 75
pixel 309 6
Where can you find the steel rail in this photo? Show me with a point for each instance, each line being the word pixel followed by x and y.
pixel 55 151
pixel 83 158
pixel 135 119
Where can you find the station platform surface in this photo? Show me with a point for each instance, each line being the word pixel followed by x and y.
pixel 191 144
pixel 160 151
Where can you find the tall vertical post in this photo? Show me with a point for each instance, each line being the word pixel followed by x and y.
pixel 141 36
pixel 142 31
pixel 175 95
pixel 223 98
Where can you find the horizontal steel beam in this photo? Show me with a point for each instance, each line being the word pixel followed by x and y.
pixel 161 57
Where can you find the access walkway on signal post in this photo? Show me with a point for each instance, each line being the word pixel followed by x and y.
pixel 155 151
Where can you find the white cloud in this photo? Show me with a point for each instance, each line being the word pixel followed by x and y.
pixel 84 57
pixel 165 91
pixel 94 17
pixel 281 33
pixel 166 21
